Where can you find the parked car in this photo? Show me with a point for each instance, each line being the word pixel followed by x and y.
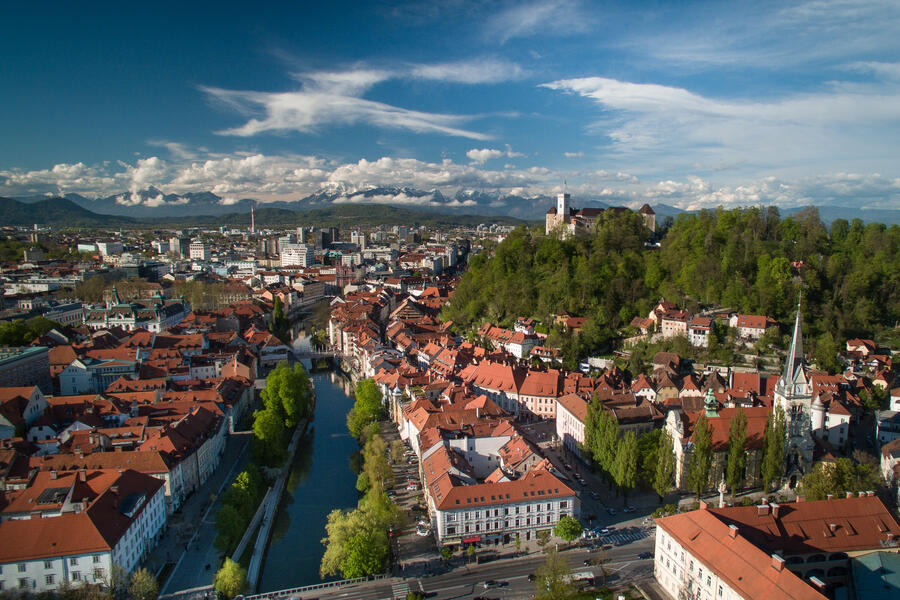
pixel 643 555
pixel 611 511
pixel 628 509
pixel 412 486
pixel 423 531
pixel 595 495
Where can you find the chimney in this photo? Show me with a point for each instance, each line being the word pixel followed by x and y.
pixel 762 510
pixel 817 583
pixel 703 505
pixel 829 497
pixel 832 527
pixel 889 537
pixel 803 498
pixel 765 500
pixel 777 562
pixel 870 494
pixel 114 489
pixel 732 531
pixel 775 510
pixel 82 474
pixel 862 494
pixel 848 494
pixel 53 474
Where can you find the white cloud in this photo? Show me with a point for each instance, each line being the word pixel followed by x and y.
pixel 556 17
pixel 291 177
pixel 881 69
pixel 486 70
pixel 573 154
pixel 335 98
pixel 483 155
pixel 676 128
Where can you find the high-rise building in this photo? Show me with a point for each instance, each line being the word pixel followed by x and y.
pixel 179 246
pixel 298 255
pixel 199 250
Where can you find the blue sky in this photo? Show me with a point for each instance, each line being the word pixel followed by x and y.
pixel 685 103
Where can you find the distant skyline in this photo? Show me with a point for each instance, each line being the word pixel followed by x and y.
pixel 692 104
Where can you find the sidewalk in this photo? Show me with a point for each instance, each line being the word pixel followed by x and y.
pixel 181 546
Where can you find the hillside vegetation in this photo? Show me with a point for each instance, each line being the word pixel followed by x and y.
pixel 741 259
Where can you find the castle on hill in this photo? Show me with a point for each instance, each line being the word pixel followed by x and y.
pixel 583 221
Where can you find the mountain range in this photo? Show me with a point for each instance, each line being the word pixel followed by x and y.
pixel 153 203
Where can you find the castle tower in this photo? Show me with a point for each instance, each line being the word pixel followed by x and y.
pixel 562 204
pixel 793 395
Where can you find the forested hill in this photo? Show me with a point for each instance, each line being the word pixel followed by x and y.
pixel 850 277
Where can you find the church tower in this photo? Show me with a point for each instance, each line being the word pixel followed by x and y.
pixel 793 395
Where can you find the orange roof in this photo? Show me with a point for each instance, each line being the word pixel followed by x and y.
pixel 536 485
pixel 575 404
pixel 744 567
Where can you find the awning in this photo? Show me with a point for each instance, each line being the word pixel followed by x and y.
pixel 472 539
pixel 493 537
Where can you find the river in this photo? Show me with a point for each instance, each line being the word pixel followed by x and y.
pixel 320 481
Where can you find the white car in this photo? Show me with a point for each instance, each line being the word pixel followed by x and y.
pixel 423 531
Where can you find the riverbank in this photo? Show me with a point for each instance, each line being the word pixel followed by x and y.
pixel 319 480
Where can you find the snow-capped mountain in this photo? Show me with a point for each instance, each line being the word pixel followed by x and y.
pixel 152 202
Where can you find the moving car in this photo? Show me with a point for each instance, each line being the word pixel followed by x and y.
pixel 628 509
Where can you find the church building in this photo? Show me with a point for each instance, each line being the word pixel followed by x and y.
pixel 793 395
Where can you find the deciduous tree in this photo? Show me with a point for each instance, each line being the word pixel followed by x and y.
pixel 143 585
pixel 230 579
pixel 568 528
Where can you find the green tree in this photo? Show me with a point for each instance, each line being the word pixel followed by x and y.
pixel 366 554
pixel 626 466
pixel 701 456
pixel 568 528
pixel 270 436
pixel 665 466
pixel 844 475
pixel 230 526
pixel 143 585
pixel 280 325
pixel 21 332
pixel 230 579
pixel 553 579
pixel 287 392
pixel 367 407
pixel 737 454
pixel 773 448
pixel 648 455
pixel 470 552
pixel 446 552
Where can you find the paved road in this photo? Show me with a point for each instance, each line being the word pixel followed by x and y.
pixel 190 539
pixel 463 582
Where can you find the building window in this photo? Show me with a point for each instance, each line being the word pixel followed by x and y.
pixel 96 558
pixel 21 567
pixel 23 582
pixel 563 504
pixel 76 576
pixel 98 574
pixel 48 579
pixel 48 564
pixel 708 581
pixel 73 561
pixel 451 530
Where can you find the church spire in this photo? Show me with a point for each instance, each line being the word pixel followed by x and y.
pixel 795 354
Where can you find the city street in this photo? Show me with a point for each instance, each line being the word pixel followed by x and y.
pixel 465 581
pixel 189 541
